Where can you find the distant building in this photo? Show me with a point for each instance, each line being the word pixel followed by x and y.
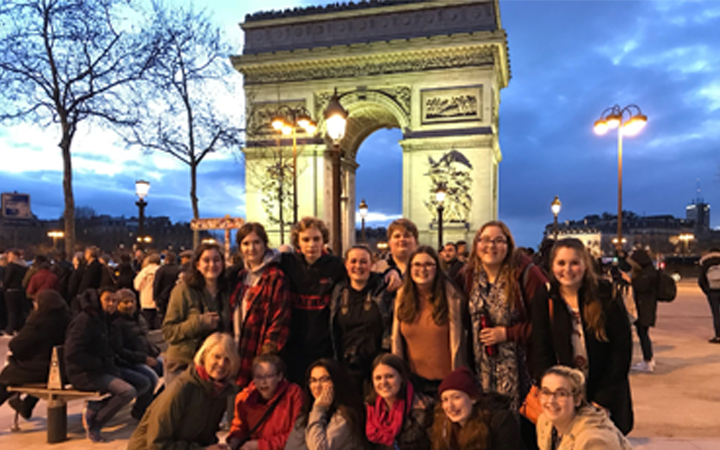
pixel 698 212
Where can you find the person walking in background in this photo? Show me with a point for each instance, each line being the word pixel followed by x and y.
pixel 14 292
pixel 260 304
pixel 644 287
pixel 568 421
pixel 198 307
pixel 428 329
pixel 187 414
pixel 166 277
pixel 144 285
pixel 124 272
pixel 78 263
pixel 709 281
pixel 42 279
pixel 580 324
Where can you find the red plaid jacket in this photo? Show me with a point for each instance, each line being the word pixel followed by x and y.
pixel 267 320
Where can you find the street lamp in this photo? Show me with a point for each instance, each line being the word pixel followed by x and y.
pixel 55 235
pixel 286 121
pixel 686 238
pixel 141 189
pixel 613 117
pixel 363 214
pixel 555 208
pixel 440 194
pixel 336 120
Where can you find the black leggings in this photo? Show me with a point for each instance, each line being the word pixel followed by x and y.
pixel 645 342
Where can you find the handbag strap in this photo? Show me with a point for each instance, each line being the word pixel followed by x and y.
pixel 266 414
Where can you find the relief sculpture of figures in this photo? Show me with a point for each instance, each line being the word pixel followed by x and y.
pixel 452 171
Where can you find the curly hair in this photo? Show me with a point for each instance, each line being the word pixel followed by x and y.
pixel 305 224
pixel 409 301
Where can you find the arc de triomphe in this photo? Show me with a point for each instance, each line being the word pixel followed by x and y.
pixel 433 69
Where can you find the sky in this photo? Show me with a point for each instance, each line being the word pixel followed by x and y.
pixel 569 60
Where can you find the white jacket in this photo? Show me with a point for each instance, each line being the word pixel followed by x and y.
pixel 144 285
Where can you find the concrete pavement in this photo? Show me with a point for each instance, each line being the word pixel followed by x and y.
pixel 677 407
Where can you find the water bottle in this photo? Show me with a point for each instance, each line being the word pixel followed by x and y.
pixel 485 322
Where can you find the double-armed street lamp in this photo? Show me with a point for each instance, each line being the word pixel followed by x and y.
pixel 555 208
pixel 614 117
pixel 440 194
pixel 336 120
pixel 363 208
pixel 141 190
pixel 287 120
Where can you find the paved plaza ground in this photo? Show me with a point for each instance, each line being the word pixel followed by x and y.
pixel 677 407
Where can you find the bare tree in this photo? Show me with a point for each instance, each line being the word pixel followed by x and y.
pixel 64 62
pixel 183 111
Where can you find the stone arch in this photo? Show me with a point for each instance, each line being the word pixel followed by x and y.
pixel 432 69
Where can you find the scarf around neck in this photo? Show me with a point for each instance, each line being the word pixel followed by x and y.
pixel 218 386
pixel 383 424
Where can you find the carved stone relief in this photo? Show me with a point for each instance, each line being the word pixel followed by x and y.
pixel 453 171
pixel 260 116
pixel 451 105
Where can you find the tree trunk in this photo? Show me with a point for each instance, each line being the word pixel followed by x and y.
pixel 194 200
pixel 69 213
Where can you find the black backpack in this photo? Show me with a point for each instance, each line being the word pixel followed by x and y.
pixel 666 289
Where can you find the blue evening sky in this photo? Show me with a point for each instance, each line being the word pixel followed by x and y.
pixel 569 61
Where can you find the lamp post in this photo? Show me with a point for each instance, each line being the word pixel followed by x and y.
pixel 440 198
pixel 287 120
pixel 555 208
pixel 363 214
pixel 686 238
pixel 336 119
pixel 141 189
pixel 614 117
pixel 55 235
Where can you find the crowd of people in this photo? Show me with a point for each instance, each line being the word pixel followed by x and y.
pixel 303 349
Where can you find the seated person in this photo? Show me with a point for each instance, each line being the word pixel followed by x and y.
pixel 568 421
pixel 32 348
pixel 467 419
pixel 89 361
pixel 267 409
pixel 188 412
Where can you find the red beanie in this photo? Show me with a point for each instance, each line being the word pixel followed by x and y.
pixel 461 380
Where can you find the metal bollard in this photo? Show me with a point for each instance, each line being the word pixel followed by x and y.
pixel 56 421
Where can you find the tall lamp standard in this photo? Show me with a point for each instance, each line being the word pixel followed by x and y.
pixel 336 120
pixel 141 189
pixel 614 117
pixel 55 235
pixel 363 208
pixel 287 122
pixel 440 197
pixel 555 208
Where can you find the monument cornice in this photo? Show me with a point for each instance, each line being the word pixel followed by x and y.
pixel 268 69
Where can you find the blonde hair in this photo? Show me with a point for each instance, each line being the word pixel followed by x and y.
pixel 574 376
pixel 227 343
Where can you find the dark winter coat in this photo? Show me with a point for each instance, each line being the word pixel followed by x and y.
pixel 125 276
pixel 13 276
pixel 608 362
pixel 165 280
pixel 32 347
pixel 186 416
pixel 644 283
pixel 414 433
pixel 707 261
pixel 88 353
pixel 129 339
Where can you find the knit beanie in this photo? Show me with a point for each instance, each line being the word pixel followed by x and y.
pixel 461 380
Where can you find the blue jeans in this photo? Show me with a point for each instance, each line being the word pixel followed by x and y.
pixel 121 393
pixel 143 387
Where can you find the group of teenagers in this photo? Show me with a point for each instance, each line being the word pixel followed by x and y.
pixel 441 363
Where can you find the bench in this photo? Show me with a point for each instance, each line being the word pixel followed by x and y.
pixel 57 393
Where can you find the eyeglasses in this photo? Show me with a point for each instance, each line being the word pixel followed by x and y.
pixel 560 394
pixel 486 241
pixel 426 265
pixel 321 380
pixel 264 377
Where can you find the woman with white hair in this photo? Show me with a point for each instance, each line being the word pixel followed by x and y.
pixel 568 421
pixel 188 413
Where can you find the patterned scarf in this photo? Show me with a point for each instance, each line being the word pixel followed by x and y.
pixel 384 424
pixel 218 386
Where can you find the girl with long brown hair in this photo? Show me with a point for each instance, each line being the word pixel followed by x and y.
pixel 427 325
pixel 580 324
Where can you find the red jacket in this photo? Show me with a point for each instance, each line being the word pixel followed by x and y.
pixel 41 280
pixel 274 431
